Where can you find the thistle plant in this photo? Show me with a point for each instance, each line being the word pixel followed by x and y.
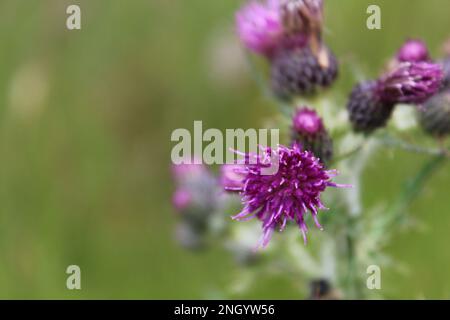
pixel 325 146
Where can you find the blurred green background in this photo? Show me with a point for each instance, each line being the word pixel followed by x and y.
pixel 85 124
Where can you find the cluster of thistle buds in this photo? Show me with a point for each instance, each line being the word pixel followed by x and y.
pixel 412 78
pixel 288 33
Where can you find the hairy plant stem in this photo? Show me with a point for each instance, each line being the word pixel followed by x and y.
pixel 355 165
pixel 353 284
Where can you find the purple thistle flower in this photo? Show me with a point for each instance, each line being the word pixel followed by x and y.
pixel 287 195
pixel 413 51
pixel 259 26
pixel 411 83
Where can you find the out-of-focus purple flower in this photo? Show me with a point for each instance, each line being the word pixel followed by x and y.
pixel 307 122
pixel 411 83
pixel 413 51
pixel 181 199
pixel 287 195
pixel 259 26
pixel 186 171
pixel 196 188
pixel 231 177
pixel 196 198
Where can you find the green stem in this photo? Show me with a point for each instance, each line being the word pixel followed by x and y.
pixel 411 191
pixel 393 142
pixel 348 154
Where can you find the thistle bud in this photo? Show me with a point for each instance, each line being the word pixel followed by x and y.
pixel 309 131
pixel 367 111
pixel 435 116
pixel 413 51
pixel 298 71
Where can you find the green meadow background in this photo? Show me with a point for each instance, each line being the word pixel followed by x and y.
pixel 85 124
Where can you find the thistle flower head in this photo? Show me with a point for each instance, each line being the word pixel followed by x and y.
pixel 413 51
pixel 259 26
pixel 287 195
pixel 367 111
pixel 307 122
pixel 299 71
pixel 411 83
